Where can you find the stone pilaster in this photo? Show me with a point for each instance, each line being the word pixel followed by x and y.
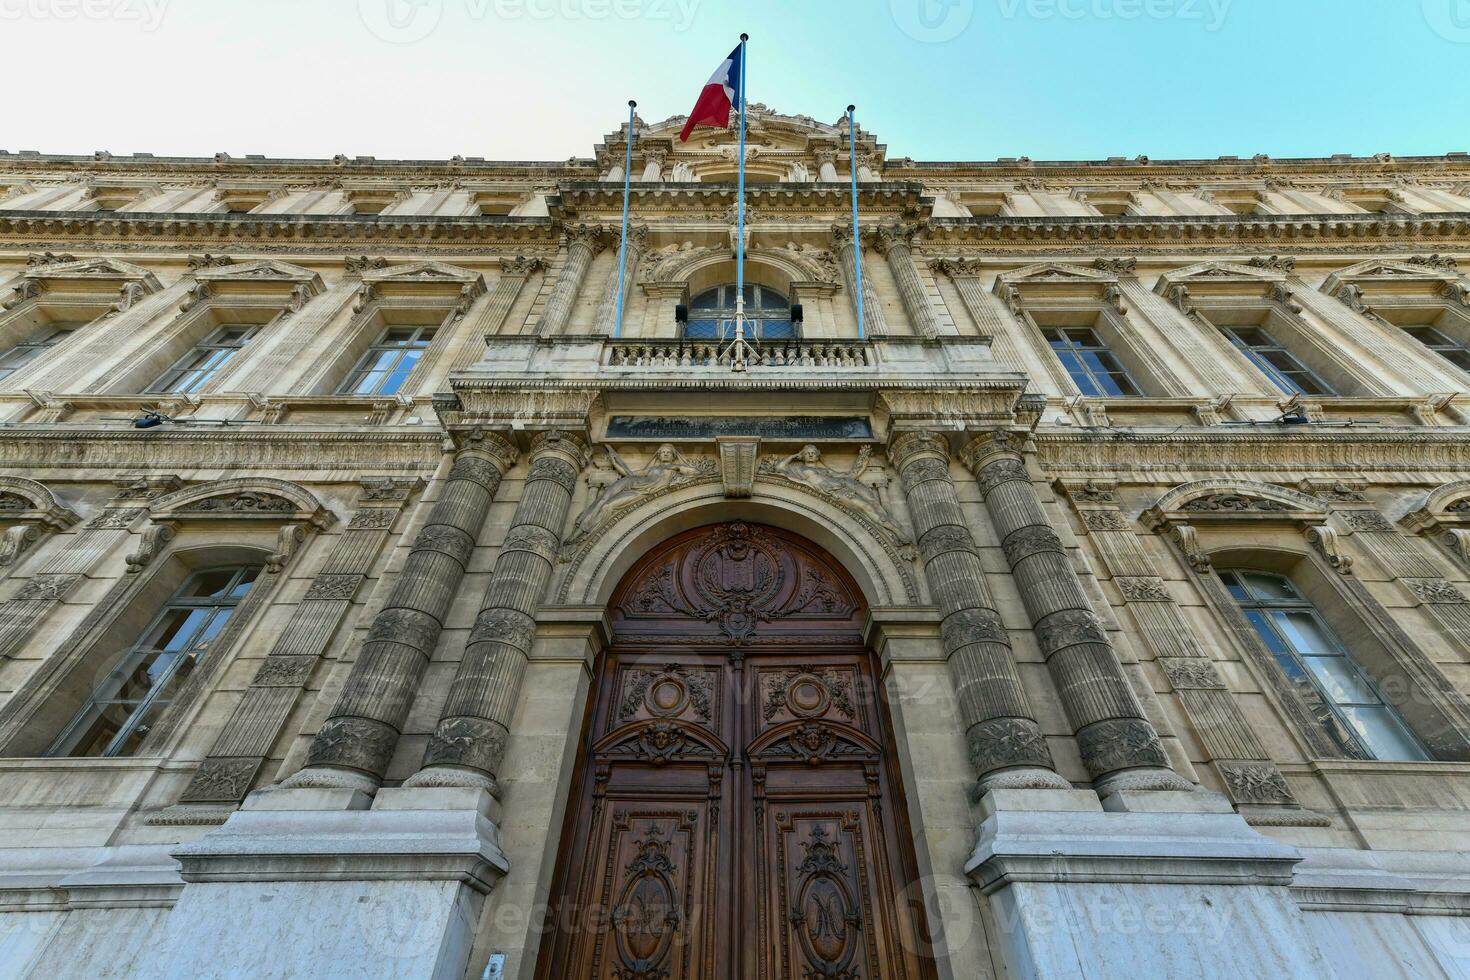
pixel 469 741
pixel 355 745
pixel 248 737
pixel 873 321
pixel 1116 741
pixel 583 244
pixel 607 304
pixel 1245 767
pixel 503 295
pixel 895 242
pixel 1005 742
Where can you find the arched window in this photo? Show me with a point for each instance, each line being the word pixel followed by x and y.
pixel 1340 695
pixel 129 698
pixel 767 314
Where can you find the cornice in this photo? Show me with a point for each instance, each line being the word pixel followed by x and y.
pixel 101 227
pixel 1137 228
pixel 575 196
pixel 1150 457
pixel 269 448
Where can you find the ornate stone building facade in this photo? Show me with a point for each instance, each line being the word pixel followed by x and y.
pixel 1099 607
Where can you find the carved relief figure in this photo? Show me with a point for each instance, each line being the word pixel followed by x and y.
pixel 668 468
pixel 806 467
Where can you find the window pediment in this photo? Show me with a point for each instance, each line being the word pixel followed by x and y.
pixel 1213 501
pixel 67 274
pixel 273 501
pixel 267 276
pixel 28 501
pixel 1057 283
pixel 1221 278
pixel 425 280
pixel 1378 279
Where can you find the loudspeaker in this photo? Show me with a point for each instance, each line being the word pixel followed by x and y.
pixel 681 313
pixel 796 313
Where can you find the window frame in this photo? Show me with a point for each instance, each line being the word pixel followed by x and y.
pixel 1099 348
pixel 755 313
pixel 164 690
pixel 423 336
pixel 1264 614
pixel 196 361
pixel 57 332
pixel 1272 372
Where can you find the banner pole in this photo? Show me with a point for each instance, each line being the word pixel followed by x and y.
pixel 623 240
pixel 739 350
pixel 857 241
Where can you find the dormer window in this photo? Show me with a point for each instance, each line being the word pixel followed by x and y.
pixel 767 314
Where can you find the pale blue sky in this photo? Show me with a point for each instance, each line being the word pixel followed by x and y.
pixel 544 79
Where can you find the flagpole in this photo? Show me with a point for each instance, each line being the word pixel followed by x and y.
pixel 623 241
pixel 739 350
pixel 857 242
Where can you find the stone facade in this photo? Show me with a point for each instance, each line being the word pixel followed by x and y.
pixel 1108 767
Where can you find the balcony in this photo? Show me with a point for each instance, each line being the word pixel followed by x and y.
pixel 675 355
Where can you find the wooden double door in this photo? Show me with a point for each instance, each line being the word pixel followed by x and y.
pixel 736 813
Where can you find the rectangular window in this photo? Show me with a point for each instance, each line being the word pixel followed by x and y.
pixel 33 347
pixel 1088 360
pixel 1278 363
pixel 1336 691
pixel 1436 340
pixel 195 369
pixel 389 362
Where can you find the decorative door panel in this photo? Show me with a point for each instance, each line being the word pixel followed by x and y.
pixel 647 911
pixel 735 815
pixel 819 908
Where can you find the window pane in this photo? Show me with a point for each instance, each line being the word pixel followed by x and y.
pixel 400 372
pixel 1270 587
pixel 1381 733
pixel 707 300
pixel 702 329
pixel 1341 681
pixel 1268 635
pixel 1304 632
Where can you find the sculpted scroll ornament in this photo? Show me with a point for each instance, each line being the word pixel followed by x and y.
pixel 806 468
pixel 667 469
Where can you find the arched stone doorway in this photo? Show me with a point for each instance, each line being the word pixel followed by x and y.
pixel 736 810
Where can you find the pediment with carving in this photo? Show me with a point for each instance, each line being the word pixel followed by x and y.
pixel 1224 278
pixel 1383 279
pixel 65 273
pixel 1211 501
pixel 249 499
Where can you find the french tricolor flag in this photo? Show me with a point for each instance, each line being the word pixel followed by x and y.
pixel 721 94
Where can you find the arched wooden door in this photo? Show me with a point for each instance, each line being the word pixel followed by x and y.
pixel 736 813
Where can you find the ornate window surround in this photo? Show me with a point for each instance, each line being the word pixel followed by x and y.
pixel 417 293
pixel 1205 519
pixel 1218 294
pixel 1444 517
pixel 1425 289
pixel 1051 294
pixel 249 520
pixel 64 288
pixel 265 293
pixel 24 526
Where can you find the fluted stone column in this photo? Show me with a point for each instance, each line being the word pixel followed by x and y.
pixel 583 244
pixel 1116 740
pixel 469 741
pixel 1005 742
pixel 607 304
pixel 503 295
pixel 826 166
pixel 355 745
pixel 894 241
pixel 873 322
pixel 653 166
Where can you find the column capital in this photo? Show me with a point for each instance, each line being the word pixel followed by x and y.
pixel 489 445
pixel 987 447
pixel 570 446
pixel 960 268
pixel 520 265
pixel 907 447
pixel 591 237
pixel 886 238
pixel 825 155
